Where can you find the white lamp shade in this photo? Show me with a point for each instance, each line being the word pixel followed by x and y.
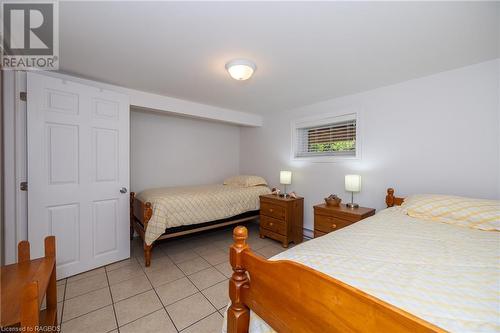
pixel 285 177
pixel 353 183
pixel 241 69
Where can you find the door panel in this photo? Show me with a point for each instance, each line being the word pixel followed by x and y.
pixel 78 159
pixel 64 223
pixel 61 101
pixel 106 155
pixel 62 153
pixel 105 226
pixel 105 109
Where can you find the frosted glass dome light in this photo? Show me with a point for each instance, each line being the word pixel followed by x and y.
pixel 240 69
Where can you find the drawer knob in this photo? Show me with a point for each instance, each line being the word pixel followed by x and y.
pixel 271 224
pixel 271 210
pixel 334 226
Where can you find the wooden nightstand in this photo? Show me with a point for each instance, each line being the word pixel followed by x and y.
pixel 328 219
pixel 281 218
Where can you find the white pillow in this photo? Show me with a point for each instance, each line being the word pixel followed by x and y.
pixel 245 181
pixel 473 213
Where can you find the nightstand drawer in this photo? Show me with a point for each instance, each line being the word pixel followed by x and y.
pixel 268 209
pixel 328 223
pixel 318 233
pixel 277 226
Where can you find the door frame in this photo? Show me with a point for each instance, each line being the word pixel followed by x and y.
pixel 15 163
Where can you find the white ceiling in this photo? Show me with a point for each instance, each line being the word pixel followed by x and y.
pixel 305 52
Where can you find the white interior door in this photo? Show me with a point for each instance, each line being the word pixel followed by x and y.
pixel 78 167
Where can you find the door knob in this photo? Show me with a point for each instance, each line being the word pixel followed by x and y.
pixel 123 190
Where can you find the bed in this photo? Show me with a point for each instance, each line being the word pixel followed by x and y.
pixel 387 273
pixel 169 212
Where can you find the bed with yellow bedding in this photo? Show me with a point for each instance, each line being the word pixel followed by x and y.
pixel 181 206
pixel 443 273
pixel 173 211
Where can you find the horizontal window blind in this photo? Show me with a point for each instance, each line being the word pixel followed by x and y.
pixel 331 139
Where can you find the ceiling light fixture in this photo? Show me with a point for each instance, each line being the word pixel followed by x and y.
pixel 240 69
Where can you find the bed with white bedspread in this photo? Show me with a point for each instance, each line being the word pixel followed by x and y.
pixel 446 274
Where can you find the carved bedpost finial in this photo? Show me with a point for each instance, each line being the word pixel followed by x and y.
pixel 238 314
pixel 148 212
pixel 240 235
pixel 389 199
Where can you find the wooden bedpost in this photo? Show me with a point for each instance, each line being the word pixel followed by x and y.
pixel 238 314
pixel 389 198
pixel 148 212
pixel 132 197
pixel 147 254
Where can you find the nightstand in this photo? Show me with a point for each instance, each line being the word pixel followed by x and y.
pixel 328 219
pixel 281 218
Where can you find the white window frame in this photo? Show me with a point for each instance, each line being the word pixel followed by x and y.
pixel 326 119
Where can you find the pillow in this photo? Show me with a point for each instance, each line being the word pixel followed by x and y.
pixel 473 213
pixel 245 181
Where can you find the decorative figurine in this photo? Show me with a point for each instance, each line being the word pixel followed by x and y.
pixel 333 200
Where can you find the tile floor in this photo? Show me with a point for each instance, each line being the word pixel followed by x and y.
pixel 184 290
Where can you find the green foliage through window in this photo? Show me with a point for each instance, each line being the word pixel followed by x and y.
pixel 346 145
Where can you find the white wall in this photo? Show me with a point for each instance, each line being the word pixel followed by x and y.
pixel 437 134
pixel 498 83
pixel 169 150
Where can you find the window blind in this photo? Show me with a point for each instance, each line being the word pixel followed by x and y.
pixel 331 139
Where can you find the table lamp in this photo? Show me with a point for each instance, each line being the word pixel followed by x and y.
pixel 352 184
pixel 285 179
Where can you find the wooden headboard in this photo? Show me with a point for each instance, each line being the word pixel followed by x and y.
pixel 391 200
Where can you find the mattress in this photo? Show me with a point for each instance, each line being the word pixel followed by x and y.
pixel 179 206
pixel 446 274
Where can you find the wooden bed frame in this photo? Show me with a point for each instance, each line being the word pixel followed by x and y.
pixel 141 213
pixel 291 297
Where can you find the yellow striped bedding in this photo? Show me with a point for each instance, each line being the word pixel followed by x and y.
pixel 178 206
pixel 473 213
pixel 446 274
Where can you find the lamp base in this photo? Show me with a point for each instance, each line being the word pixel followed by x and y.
pixel 352 205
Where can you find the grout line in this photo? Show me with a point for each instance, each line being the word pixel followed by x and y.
pixel 139 318
pixel 161 302
pixel 112 301
pixel 211 266
pixel 196 322
pixel 85 293
pixel 199 291
pixel 86 313
pixel 60 320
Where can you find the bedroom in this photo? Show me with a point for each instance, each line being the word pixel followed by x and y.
pixel 412 87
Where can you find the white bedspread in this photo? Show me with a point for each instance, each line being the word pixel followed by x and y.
pixel 446 274
pixel 178 206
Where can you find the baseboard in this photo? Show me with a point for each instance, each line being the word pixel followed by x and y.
pixel 308 233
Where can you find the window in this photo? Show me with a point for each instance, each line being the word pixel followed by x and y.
pixel 327 137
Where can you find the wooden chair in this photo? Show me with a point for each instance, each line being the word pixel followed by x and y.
pixel 23 286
